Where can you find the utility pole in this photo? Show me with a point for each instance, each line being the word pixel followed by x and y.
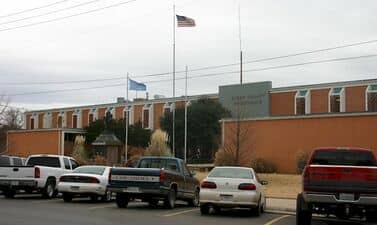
pixel 186 102
pixel 238 100
pixel 173 138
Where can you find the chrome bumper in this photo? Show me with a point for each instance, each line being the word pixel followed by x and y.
pixel 331 199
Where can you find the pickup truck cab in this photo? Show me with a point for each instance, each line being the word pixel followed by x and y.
pixel 40 173
pixel 340 182
pixel 6 160
pixel 155 179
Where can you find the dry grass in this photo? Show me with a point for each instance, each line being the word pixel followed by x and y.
pixel 279 185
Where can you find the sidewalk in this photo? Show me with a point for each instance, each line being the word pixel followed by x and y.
pixel 281 205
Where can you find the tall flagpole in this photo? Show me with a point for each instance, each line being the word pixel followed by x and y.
pixel 185 149
pixel 126 121
pixel 239 34
pixel 173 138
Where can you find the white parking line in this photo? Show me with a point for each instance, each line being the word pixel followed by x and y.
pixel 179 213
pixel 276 220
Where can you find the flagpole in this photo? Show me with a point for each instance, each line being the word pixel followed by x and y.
pixel 126 121
pixel 173 138
pixel 239 34
pixel 185 149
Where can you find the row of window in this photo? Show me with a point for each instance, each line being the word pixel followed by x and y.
pixel 336 100
pixel 146 117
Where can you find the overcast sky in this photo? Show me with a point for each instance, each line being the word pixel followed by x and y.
pixel 137 38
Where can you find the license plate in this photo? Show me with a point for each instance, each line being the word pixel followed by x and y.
pixel 346 197
pixel 14 183
pixel 75 187
pixel 132 189
pixel 227 198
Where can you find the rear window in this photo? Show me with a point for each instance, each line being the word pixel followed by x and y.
pixel 4 161
pixel 44 161
pixel 167 164
pixel 17 162
pixel 98 170
pixel 237 173
pixel 343 158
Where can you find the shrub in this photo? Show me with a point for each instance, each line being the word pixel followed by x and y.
pixel 99 160
pixel 263 166
pixel 158 145
pixel 224 157
pixel 301 159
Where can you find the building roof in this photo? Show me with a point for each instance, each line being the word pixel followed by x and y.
pixel 107 138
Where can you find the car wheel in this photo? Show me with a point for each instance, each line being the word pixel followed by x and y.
pixel 371 215
pixel 169 201
pixel 9 193
pixel 67 197
pixel 107 196
pixel 257 211
pixel 49 189
pixel 122 200
pixel 195 201
pixel 303 213
pixel 204 209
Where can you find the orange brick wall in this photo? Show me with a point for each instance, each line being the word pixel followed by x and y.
pixel 119 112
pixel 69 119
pixel 355 99
pixel 280 141
pixel 282 104
pixel 158 111
pixel 54 120
pixel 28 116
pixel 31 142
pixel 101 113
pixel 138 110
pixel 84 117
pixel 40 120
pixel 319 100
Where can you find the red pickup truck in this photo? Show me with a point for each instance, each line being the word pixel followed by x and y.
pixel 340 182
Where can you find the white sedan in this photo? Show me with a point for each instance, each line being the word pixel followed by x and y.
pixel 87 181
pixel 232 187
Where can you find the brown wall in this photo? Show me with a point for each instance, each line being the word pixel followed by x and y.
pixel 40 120
pixel 158 111
pixel 68 118
pixel 119 112
pixel 355 99
pixel 280 141
pixel 84 117
pixel 28 116
pixel 319 100
pixel 282 104
pixel 32 142
pixel 54 120
pixel 101 113
pixel 138 110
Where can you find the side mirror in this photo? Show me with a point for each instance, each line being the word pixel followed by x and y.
pixel 263 182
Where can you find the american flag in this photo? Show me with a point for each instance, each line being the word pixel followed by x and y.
pixel 185 21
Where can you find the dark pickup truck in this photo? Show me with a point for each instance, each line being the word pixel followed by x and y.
pixel 340 182
pixel 155 179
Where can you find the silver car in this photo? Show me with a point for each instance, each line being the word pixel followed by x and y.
pixel 232 187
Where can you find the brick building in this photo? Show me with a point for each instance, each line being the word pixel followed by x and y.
pixel 281 122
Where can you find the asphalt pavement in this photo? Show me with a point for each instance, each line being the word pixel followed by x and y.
pixel 31 210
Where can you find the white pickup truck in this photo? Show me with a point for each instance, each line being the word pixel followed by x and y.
pixel 41 173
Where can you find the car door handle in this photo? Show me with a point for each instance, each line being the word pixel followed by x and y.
pixel 15 169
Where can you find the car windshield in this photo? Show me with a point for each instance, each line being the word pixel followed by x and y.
pixel 44 161
pixel 98 170
pixel 239 173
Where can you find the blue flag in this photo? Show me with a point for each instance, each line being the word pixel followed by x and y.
pixel 136 86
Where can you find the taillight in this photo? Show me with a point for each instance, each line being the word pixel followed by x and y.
pixel 247 187
pixel 162 176
pixel 61 179
pixel 208 185
pixel 93 180
pixel 37 172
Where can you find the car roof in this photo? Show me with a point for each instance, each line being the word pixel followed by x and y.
pixel 343 148
pixel 234 167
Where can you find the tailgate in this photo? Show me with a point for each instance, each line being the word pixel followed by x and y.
pixel 348 179
pixel 134 177
pixel 10 173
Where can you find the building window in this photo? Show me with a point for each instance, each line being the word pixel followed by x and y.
pixel 74 121
pixel 337 100
pixel 93 116
pixel 371 101
pixel 31 123
pixel 147 119
pixel 168 107
pixel 60 121
pixel 302 102
pixel 47 118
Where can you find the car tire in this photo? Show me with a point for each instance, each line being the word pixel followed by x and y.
pixel 371 215
pixel 9 193
pixel 169 201
pixel 67 197
pixel 204 209
pixel 195 201
pixel 303 213
pixel 122 200
pixel 107 196
pixel 258 210
pixel 49 189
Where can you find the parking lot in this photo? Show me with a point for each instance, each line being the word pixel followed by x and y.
pixel 29 209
